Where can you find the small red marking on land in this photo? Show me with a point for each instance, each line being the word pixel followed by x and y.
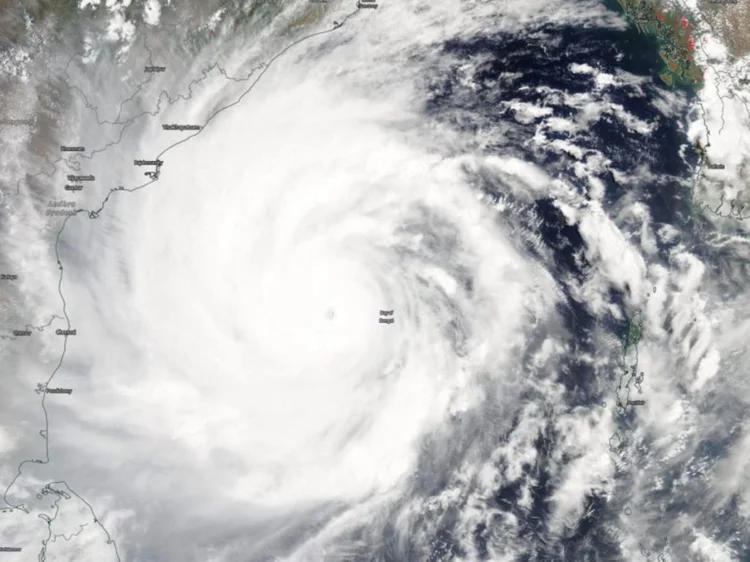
pixel 660 16
pixel 684 22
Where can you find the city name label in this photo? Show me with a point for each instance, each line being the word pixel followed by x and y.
pixel 386 317
pixel 59 391
pixel 174 127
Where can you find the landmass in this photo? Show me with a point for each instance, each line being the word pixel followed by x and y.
pixel 630 377
pixel 717 193
pixel 674 32
pixel 730 20
pixel 634 334
pixel 53 154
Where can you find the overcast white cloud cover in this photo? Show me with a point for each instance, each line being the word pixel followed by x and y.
pixel 235 395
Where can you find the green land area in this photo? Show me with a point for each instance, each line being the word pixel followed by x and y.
pixel 635 333
pixel 674 33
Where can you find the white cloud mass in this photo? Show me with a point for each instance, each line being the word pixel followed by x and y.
pixel 235 393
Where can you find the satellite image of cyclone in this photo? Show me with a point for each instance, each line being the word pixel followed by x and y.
pixel 375 280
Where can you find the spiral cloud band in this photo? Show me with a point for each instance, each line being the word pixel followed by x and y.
pixel 307 289
pixel 254 285
pixel 313 286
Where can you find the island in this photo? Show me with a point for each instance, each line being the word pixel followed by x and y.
pixel 674 32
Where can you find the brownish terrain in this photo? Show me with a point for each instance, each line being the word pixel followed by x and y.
pixel 731 21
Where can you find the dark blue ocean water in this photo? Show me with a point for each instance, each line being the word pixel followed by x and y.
pixel 535 67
